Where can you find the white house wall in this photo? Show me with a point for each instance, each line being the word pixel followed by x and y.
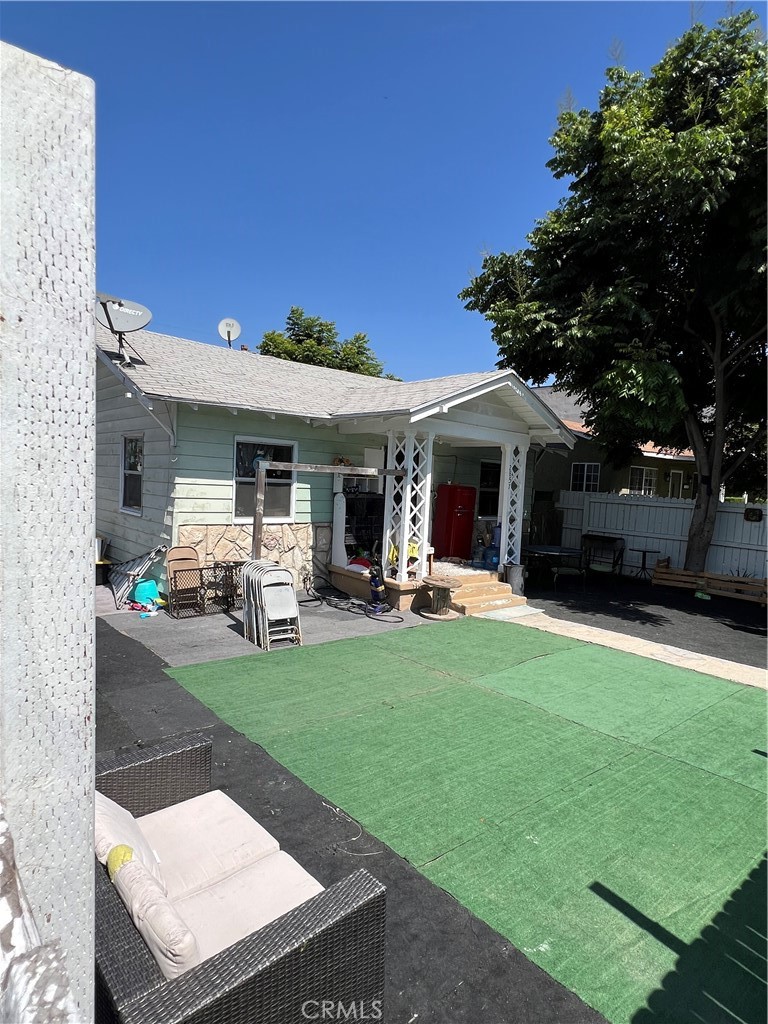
pixel 47 280
pixel 130 535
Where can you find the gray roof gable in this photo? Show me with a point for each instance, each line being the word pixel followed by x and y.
pixel 178 369
pixel 563 405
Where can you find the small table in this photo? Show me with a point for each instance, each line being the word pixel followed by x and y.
pixel 644 573
pixel 101 571
pixel 442 588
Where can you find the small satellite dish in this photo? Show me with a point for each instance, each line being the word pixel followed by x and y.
pixel 229 330
pixel 121 316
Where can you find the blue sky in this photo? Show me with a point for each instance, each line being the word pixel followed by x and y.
pixel 355 159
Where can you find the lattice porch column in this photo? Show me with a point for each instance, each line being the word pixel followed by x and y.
pixel 511 497
pixel 407 500
pixel 421 495
pixel 393 495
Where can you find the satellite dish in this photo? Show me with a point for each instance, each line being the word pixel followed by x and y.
pixel 121 316
pixel 229 330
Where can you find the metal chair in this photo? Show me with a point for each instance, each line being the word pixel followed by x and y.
pixel 186 592
pixel 571 565
pixel 604 554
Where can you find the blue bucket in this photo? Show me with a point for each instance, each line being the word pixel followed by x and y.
pixel 145 591
pixel 491 560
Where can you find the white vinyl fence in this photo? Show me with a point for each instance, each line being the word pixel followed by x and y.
pixel 738 547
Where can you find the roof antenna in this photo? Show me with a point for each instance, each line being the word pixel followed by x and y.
pixel 229 330
pixel 121 317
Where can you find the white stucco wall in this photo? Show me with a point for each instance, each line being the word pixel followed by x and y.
pixel 47 295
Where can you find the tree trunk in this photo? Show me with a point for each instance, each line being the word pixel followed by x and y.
pixel 702 527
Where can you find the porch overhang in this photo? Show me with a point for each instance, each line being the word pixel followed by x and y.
pixel 461 416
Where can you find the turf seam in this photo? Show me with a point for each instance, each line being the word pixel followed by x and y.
pixel 526 807
pixel 640 745
pixel 699 711
pixel 472 680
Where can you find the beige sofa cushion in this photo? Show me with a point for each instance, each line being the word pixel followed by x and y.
pixel 169 937
pixel 227 910
pixel 203 840
pixel 114 826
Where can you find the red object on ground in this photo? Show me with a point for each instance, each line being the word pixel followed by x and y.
pixel 454 521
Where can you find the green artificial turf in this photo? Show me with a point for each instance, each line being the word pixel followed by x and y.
pixel 596 808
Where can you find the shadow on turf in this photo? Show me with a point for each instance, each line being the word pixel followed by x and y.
pixel 720 977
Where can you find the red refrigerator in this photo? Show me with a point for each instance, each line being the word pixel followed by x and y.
pixel 454 521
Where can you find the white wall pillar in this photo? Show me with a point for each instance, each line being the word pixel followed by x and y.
pixel 512 500
pixel 47 380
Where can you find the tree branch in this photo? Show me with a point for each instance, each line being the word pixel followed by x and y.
pixel 700 338
pixel 743 345
pixel 697 442
pixel 741 458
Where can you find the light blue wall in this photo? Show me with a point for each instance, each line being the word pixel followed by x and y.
pixel 204 462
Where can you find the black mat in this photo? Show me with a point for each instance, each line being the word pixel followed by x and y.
pixel 443 964
pixel 721 627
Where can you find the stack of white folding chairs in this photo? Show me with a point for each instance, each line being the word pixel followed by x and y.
pixel 270 609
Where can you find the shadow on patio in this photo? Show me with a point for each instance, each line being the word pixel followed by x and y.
pixel 721 628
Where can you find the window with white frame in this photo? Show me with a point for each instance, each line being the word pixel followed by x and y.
pixel 642 480
pixel 279 498
pixel 488 492
pixel 585 476
pixel 131 473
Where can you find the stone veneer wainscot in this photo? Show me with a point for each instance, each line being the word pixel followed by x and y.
pixel 297 546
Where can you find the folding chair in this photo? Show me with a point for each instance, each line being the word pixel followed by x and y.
pixel 186 591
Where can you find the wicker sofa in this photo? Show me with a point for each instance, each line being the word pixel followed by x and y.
pixel 331 948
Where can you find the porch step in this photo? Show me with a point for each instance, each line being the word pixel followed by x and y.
pixel 485 587
pixel 475 598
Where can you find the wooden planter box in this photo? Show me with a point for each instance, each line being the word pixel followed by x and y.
pixel 743 588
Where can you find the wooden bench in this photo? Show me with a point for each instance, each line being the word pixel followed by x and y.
pixel 743 588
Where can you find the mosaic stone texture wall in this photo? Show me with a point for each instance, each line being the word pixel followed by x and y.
pixel 47 289
pixel 300 547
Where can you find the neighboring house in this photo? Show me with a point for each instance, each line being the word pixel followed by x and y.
pixel 654 471
pixel 179 427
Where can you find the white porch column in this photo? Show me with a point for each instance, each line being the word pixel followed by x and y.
pixel 404 526
pixel 407 500
pixel 511 497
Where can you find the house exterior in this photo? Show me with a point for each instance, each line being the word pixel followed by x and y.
pixel 654 472
pixel 179 424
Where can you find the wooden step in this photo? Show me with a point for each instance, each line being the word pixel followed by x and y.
pixel 478 589
pixel 476 597
pixel 476 605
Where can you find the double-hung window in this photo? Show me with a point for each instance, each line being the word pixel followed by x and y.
pixel 642 480
pixel 585 476
pixel 279 498
pixel 132 473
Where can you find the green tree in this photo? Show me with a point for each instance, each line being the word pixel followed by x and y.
pixel 643 293
pixel 308 339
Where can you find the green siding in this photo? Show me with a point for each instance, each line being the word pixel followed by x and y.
pixel 204 463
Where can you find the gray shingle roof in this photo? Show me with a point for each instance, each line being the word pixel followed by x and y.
pixel 191 371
